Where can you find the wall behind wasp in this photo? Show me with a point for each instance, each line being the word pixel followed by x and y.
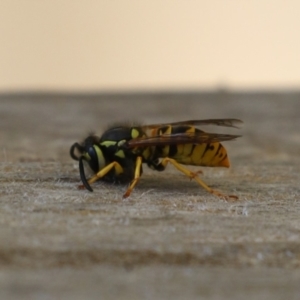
pixel 130 44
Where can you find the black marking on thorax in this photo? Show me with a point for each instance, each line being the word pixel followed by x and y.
pixel 117 134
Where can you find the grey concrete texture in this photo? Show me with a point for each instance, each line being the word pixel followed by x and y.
pixel 170 239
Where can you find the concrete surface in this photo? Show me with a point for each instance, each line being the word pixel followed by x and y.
pixel 170 239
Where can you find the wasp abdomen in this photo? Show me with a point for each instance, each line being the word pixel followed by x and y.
pixel 203 154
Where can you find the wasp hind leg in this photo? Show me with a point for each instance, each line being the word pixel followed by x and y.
pixel 194 175
pixel 137 175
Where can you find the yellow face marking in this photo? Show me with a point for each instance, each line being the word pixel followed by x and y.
pixel 101 159
pixel 134 133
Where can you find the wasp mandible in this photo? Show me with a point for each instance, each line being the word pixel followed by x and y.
pixel 118 155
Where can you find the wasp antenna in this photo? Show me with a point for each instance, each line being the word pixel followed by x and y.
pixel 72 150
pixel 82 174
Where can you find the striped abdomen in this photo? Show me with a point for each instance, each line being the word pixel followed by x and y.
pixel 210 155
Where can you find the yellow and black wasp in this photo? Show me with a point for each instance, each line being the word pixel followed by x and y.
pixel 118 155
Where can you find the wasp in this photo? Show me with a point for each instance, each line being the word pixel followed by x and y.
pixel 118 155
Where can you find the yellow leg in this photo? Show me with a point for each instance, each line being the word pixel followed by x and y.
pixel 105 170
pixel 137 175
pixel 193 175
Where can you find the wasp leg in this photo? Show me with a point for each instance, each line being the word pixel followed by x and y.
pixel 198 172
pixel 193 175
pixel 137 175
pixel 105 170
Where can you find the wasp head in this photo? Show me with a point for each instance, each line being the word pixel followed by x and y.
pixel 89 151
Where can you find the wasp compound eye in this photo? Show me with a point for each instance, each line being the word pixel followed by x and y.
pixel 93 159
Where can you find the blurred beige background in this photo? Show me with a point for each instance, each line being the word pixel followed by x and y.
pixel 76 45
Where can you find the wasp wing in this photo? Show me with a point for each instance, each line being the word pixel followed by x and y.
pixel 219 122
pixel 179 139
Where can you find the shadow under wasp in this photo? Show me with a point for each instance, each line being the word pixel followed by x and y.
pixel 118 155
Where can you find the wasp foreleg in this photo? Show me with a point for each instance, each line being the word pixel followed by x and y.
pixel 193 175
pixel 137 175
pixel 104 171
